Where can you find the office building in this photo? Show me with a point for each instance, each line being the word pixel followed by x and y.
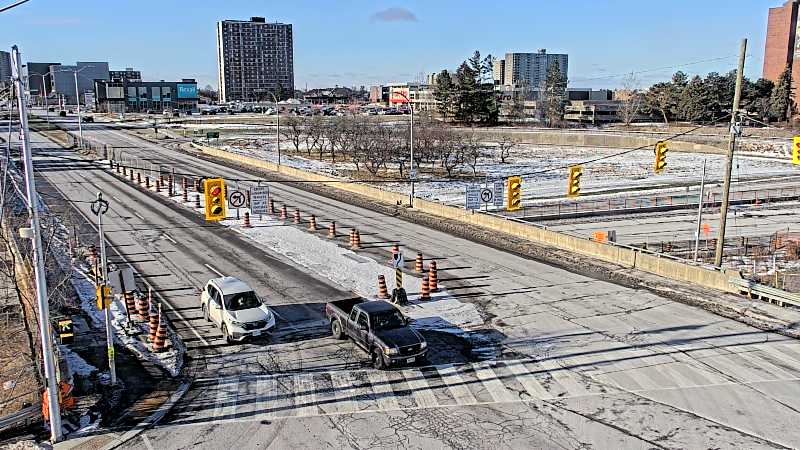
pixel 121 96
pixel 527 68
pixel 39 73
pixel 63 79
pixel 783 44
pixel 255 59
pixel 5 67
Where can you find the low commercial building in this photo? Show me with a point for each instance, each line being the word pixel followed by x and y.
pixel 63 79
pixel 395 94
pixel 141 96
pixel 335 96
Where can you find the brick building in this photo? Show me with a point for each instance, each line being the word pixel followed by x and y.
pixel 783 44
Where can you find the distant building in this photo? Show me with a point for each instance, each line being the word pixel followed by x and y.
pixel 783 44
pixel 255 58
pixel 141 96
pixel 125 75
pixel 528 68
pixel 35 72
pixel 63 79
pixel 5 67
pixel 335 96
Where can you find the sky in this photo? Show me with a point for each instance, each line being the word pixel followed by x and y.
pixel 354 43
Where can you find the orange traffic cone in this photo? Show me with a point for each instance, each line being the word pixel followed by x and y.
pixel 247 220
pixel 160 342
pixel 296 215
pixel 331 230
pixel 312 223
pixel 418 263
pixel 383 292
pixel 432 277
pixel 425 292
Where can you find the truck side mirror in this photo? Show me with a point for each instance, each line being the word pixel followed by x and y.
pixel 362 327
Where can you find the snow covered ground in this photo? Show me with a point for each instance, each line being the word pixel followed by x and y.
pixel 544 169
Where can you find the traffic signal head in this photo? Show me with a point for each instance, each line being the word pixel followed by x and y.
pixel 514 188
pixel 574 181
pixel 796 150
pixel 661 156
pixel 103 296
pixel 214 190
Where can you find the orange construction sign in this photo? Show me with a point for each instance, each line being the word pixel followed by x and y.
pixel 599 236
pixel 706 228
pixel 65 399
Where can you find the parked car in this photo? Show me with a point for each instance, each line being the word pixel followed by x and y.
pixel 51 109
pixel 87 119
pixel 379 328
pixel 150 111
pixel 62 113
pixel 234 307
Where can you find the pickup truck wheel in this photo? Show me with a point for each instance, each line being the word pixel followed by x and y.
pixel 225 335
pixel 336 329
pixel 377 359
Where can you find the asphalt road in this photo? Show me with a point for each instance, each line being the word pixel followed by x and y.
pixel 578 362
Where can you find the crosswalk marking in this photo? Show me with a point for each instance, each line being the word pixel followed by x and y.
pixel 495 387
pixel 419 388
pixel 528 380
pixel 227 396
pixel 305 399
pixel 456 385
pixel 383 391
pixel 265 396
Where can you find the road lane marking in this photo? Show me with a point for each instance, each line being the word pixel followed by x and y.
pixel 214 270
pixel 383 390
pixel 138 215
pixel 170 238
pixel 528 380
pixel 305 399
pixel 420 390
pixel 493 384
pixel 227 395
pixel 457 385
pixel 266 389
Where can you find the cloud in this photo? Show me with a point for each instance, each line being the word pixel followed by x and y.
pixel 394 14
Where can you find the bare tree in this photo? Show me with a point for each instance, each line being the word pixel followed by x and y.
pixel 294 130
pixel 505 144
pixel 631 99
pixel 472 152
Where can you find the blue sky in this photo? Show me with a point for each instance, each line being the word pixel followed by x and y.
pixel 352 42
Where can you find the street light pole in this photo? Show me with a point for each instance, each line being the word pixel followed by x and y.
pixel 411 174
pixel 277 126
pixel 78 101
pixel 38 257
pixel 700 212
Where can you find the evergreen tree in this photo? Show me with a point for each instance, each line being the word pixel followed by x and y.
pixel 467 93
pixel 781 105
pixel 556 94
pixel 444 93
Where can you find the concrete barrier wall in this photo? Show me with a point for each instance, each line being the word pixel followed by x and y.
pixel 623 256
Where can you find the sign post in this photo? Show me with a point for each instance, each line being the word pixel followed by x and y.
pixel 473 197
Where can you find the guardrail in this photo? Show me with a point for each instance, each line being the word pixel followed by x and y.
pixel 24 416
pixel 771 294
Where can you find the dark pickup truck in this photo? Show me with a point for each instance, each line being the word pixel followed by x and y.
pixel 379 328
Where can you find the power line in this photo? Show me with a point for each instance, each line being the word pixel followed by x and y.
pixel 657 69
pixel 13 5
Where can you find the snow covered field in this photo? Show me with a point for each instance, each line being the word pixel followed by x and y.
pixel 617 174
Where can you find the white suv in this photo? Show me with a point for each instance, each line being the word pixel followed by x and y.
pixel 231 305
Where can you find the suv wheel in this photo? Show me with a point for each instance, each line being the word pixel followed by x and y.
pixel 225 334
pixel 377 359
pixel 205 314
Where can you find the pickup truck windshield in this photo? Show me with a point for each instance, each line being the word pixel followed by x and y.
pixel 241 300
pixel 387 320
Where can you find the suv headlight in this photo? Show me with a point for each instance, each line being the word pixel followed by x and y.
pixel 423 346
pixel 390 351
pixel 237 324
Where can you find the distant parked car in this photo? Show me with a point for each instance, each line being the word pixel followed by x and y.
pixel 62 113
pixel 150 111
pixel 51 109
pixel 88 119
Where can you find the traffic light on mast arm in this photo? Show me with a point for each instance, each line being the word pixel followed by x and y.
pixel 661 156
pixel 574 181
pixel 214 190
pixel 514 188
pixel 796 150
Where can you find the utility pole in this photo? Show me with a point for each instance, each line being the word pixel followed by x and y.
pixel 700 211
pixel 726 189
pixel 34 233
pixel 78 102
pixel 100 207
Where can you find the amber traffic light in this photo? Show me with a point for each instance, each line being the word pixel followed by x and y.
pixel 514 188
pixel 214 190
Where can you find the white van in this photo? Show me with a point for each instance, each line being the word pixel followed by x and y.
pixel 233 306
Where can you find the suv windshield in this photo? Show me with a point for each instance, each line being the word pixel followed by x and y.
pixel 241 300
pixel 387 320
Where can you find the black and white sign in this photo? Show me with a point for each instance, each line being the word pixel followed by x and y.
pixel 237 199
pixel 398 261
pixel 122 281
pixel 498 192
pixel 259 199
pixel 487 195
pixel 473 197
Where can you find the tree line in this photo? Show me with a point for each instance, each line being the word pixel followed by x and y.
pixel 381 148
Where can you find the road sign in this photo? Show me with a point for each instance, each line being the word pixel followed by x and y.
pixel 413 174
pixel 237 199
pixel 398 260
pixel 212 135
pixel 66 333
pixel 122 281
pixel 487 195
pixel 398 278
pixel 259 200
pixel 473 197
pixel 498 193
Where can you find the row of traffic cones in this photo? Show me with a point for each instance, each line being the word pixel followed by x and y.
pixel 429 284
